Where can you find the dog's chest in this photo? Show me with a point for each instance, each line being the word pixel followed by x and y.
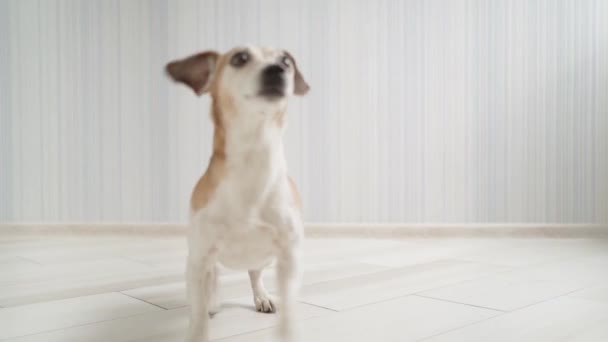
pixel 254 169
pixel 250 199
pixel 251 178
pixel 251 247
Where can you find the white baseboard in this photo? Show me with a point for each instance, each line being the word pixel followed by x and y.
pixel 465 230
pixel 330 230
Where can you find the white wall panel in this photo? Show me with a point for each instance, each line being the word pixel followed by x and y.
pixel 420 111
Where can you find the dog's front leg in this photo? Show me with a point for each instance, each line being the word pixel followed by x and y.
pixel 288 276
pixel 201 285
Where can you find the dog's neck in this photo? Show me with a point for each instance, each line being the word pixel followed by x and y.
pixel 248 133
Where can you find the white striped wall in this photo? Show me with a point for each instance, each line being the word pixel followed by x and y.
pixel 420 111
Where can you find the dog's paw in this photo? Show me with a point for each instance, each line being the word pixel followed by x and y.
pixel 213 310
pixel 265 303
pixel 214 305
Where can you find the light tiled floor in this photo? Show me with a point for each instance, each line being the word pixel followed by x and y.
pixel 471 290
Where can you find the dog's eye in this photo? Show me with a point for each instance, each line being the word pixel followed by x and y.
pixel 286 61
pixel 240 59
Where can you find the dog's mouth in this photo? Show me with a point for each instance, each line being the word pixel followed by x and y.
pixel 272 92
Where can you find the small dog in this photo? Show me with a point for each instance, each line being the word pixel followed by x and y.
pixel 245 210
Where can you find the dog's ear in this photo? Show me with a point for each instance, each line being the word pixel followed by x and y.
pixel 300 87
pixel 195 71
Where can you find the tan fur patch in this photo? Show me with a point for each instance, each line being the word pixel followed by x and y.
pixel 206 185
pixel 217 75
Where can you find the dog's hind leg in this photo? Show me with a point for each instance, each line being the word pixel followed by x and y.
pixel 262 300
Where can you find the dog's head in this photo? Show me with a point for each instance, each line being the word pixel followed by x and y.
pixel 242 75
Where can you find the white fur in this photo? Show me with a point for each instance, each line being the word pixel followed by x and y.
pixel 249 222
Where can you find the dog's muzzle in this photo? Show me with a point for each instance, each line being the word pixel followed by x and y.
pixel 273 82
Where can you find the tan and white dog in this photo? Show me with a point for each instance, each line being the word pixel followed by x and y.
pixel 245 210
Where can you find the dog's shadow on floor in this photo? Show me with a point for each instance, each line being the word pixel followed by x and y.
pixel 233 305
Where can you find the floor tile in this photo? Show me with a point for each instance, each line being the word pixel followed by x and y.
pixel 236 317
pixel 12 266
pixel 374 290
pixel 562 319
pixel 579 272
pixel 66 270
pixel 329 249
pixel 370 288
pixel 101 248
pixel 596 293
pixel 405 319
pixel 39 317
pixel 527 252
pixel 44 249
pixel 413 253
pixel 64 281
pixel 499 293
pixel 173 295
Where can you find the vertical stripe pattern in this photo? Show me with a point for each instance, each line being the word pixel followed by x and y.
pixel 420 111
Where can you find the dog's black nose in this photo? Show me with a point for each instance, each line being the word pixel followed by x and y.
pixel 273 81
pixel 273 70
